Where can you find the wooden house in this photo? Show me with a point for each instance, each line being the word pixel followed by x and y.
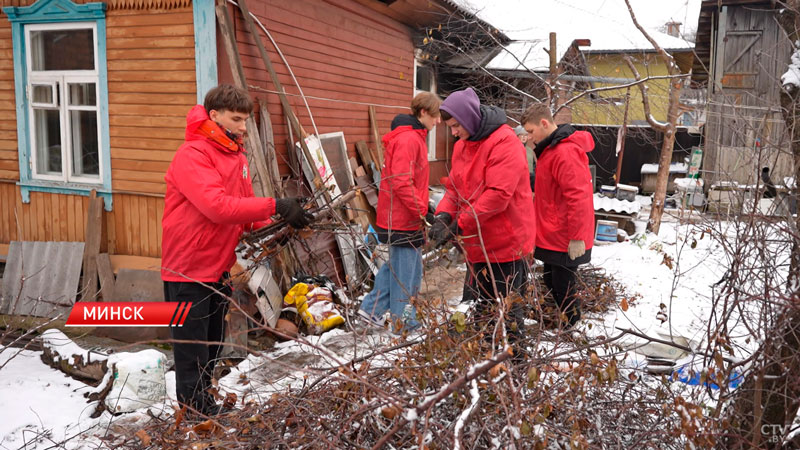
pixel 741 53
pixel 93 96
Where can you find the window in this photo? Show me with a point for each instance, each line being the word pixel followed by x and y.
pixel 62 87
pixel 424 82
pixel 60 77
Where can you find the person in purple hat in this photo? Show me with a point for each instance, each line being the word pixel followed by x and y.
pixel 489 205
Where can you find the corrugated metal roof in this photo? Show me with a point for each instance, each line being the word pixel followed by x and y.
pixel 41 278
pixel 612 205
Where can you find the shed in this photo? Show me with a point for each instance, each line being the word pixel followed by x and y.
pixel 741 53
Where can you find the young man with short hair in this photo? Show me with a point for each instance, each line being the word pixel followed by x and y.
pixel 488 203
pixel 564 204
pixel 402 207
pixel 209 203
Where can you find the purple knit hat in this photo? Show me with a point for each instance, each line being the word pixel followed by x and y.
pixel 464 106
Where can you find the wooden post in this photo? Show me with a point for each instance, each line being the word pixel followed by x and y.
pixel 256 154
pixel 278 87
pixel 106 274
pixel 553 53
pixel 373 123
pixel 94 225
pixel 366 159
pixel 268 141
pixel 623 132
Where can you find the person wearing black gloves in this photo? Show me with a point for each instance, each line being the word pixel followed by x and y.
pixel 208 204
pixel 292 212
pixel 488 202
pixel 402 207
pixel 564 205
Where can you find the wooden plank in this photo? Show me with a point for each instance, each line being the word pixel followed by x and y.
pixel 151 42
pixel 366 158
pixel 368 189
pixel 56 218
pixel 124 76
pixel 3 252
pixel 106 274
pixel 140 186
pixel 134 262
pixel 159 218
pixel 171 64
pixel 37 201
pixel 6 202
pixel 134 175
pixel 94 223
pixel 152 234
pixel 119 226
pixel 70 208
pixel 145 30
pixel 142 155
pixel 145 87
pixel 111 229
pixel 376 136
pixel 144 226
pixel 145 166
pixel 64 217
pixel 268 144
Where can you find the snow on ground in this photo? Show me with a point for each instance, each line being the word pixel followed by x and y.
pixel 36 397
pixel 661 304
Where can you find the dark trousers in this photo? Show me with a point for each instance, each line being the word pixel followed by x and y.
pixel 205 323
pixel 561 280
pixel 486 281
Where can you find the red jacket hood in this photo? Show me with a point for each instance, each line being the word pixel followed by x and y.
pixel 582 139
pixel 400 130
pixel 200 127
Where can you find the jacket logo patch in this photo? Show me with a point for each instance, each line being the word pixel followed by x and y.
pixel 244 171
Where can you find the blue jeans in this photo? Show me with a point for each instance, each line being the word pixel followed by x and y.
pixel 396 281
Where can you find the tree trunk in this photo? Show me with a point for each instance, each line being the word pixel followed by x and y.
pixel 662 177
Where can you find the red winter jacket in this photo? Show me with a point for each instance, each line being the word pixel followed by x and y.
pixel 208 204
pixel 489 186
pixel 403 196
pixel 564 202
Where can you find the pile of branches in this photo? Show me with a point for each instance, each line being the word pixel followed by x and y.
pixel 458 385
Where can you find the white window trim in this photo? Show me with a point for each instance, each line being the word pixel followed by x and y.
pixel 431 140
pixel 64 78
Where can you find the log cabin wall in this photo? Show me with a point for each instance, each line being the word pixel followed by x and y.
pixel 151 86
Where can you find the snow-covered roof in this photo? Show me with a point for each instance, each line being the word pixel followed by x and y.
pixel 530 24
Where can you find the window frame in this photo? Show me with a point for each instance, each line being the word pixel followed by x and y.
pixel 431 139
pixel 59 14
pixel 62 78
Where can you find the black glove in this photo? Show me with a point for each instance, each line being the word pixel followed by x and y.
pixel 429 219
pixel 292 212
pixel 441 231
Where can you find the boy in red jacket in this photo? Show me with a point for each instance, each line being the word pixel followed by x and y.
pixel 402 207
pixel 488 203
pixel 208 204
pixel 564 204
